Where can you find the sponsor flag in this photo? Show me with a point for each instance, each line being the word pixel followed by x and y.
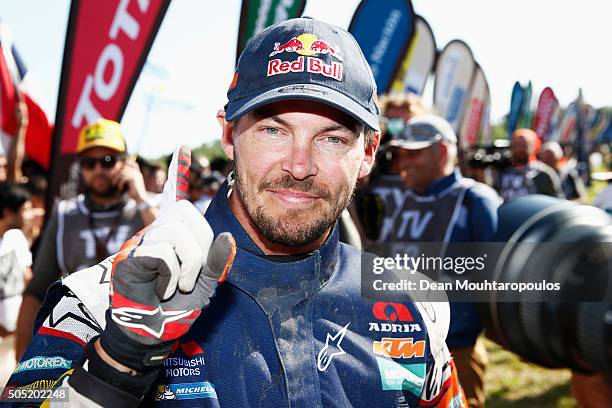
pixel 384 31
pixel 606 134
pixel 566 131
pixel 419 60
pixel 526 108
pixel 555 122
pixel 13 89
pixel 259 14
pixel 516 104
pixel 548 104
pixel 454 72
pixel 584 114
pixel 486 137
pixel 107 43
pixel 600 124
pixel 474 110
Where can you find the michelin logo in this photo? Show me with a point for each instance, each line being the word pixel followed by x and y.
pixel 185 391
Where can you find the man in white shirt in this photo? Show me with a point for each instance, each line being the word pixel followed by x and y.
pixel 15 263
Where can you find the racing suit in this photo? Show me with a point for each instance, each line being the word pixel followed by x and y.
pixel 279 332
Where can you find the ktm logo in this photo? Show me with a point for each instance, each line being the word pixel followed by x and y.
pixel 391 311
pixel 399 348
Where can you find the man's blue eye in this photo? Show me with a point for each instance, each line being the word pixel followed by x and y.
pixel 272 131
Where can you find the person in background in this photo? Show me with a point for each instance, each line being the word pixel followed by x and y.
pixel 378 196
pixel 221 165
pixel 153 174
pixel 203 188
pixel 86 229
pixel 3 167
pixel 15 263
pixel 527 175
pixel 35 217
pixel 439 205
pixel 572 185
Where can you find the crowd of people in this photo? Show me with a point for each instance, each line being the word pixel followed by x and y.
pixel 120 197
pixel 419 191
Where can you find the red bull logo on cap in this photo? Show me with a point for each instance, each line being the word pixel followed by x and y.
pixel 307 46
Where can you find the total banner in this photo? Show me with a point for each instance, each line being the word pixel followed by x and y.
pixel 259 14
pixel 106 46
pixel 454 72
pixel 384 31
pixel 419 61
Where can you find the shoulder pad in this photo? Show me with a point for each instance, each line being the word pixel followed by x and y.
pixel 92 287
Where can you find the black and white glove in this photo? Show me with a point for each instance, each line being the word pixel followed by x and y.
pixel 164 277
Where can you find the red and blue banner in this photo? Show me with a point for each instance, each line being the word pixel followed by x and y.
pixel 475 109
pixel 548 104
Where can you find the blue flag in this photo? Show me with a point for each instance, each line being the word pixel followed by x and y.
pixel 516 105
pixel 383 30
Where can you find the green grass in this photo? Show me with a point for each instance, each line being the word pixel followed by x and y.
pixel 514 383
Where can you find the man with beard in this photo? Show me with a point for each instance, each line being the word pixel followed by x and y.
pixel 86 229
pixel 527 175
pixel 287 325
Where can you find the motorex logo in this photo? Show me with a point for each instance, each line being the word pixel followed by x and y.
pixel 43 363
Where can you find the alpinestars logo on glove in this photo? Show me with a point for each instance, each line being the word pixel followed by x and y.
pixel 151 321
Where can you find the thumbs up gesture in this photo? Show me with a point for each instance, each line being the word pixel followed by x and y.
pixel 164 277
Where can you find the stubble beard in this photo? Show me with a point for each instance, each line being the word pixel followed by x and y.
pixel 287 229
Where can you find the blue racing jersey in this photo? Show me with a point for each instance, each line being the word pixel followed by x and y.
pixel 279 332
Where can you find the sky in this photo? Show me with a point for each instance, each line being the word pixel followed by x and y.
pixel 561 44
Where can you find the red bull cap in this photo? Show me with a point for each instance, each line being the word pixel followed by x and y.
pixel 307 59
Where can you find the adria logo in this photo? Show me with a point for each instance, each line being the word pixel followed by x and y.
pixel 391 312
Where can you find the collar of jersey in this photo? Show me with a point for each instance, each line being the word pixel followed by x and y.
pixel 265 279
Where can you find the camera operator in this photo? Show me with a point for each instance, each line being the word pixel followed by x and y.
pixel 527 175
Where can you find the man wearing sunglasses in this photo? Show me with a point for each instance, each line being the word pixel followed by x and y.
pixel 86 229
pixel 377 199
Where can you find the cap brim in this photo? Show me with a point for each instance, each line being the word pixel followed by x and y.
pixel 101 143
pixel 309 92
pixel 410 145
